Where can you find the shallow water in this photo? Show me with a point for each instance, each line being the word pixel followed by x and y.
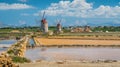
pixel 6 43
pixel 75 54
pixel 31 42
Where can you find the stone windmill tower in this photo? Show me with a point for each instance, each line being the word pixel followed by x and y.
pixel 44 24
pixel 59 27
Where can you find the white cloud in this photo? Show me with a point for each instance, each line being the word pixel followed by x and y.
pixel 105 11
pixel 23 0
pixel 24 14
pixel 21 22
pixel 80 8
pixel 5 6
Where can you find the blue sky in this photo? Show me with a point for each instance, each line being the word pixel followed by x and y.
pixel 72 12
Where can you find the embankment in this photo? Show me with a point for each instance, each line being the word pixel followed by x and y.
pixel 19 47
pixel 14 52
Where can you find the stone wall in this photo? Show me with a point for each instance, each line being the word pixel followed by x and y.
pixel 17 49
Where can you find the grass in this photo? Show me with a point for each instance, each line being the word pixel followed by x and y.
pixel 17 59
pixel 92 34
pixel 10 52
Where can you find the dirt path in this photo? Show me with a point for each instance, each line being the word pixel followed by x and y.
pixel 70 64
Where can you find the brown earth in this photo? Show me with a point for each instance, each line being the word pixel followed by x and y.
pixel 70 41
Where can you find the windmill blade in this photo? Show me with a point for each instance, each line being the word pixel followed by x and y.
pixel 60 20
pixel 56 21
pixel 43 15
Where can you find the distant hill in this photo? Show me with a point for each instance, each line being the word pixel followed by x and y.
pixel 3 25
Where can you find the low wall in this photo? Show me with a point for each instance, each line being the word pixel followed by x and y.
pixel 17 49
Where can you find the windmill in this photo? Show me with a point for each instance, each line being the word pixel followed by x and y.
pixel 44 24
pixel 59 26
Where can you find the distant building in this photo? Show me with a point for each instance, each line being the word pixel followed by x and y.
pixel 81 29
pixel 77 29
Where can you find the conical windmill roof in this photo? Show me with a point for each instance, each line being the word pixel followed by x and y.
pixel 44 21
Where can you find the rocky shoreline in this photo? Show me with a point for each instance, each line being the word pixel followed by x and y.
pixel 14 53
pixel 6 61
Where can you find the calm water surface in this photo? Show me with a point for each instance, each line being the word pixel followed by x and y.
pixel 77 54
pixel 6 43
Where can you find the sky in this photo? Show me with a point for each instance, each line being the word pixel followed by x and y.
pixel 70 12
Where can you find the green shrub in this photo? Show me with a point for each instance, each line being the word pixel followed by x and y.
pixel 10 52
pixel 18 59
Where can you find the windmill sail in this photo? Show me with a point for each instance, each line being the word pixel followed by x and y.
pixel 43 15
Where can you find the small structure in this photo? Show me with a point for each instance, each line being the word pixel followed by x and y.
pixel 81 29
pixel 87 29
pixel 77 30
pixel 50 33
